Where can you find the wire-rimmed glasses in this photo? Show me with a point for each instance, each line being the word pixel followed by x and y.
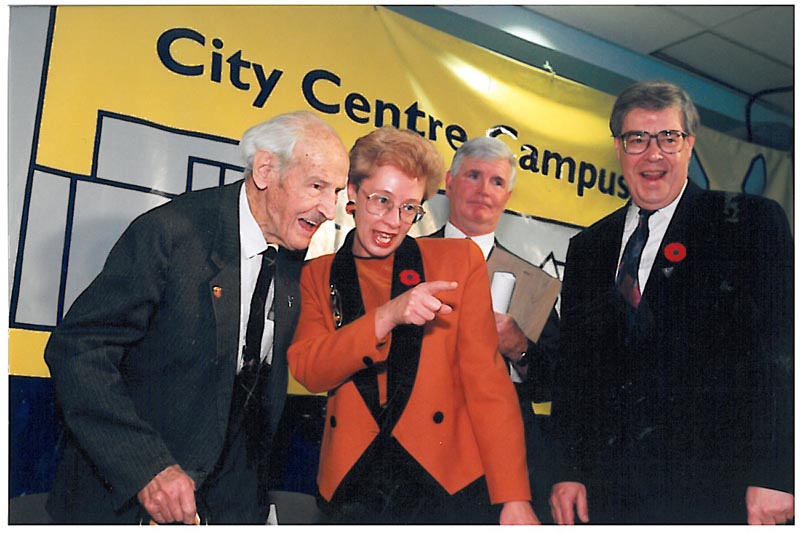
pixel 379 204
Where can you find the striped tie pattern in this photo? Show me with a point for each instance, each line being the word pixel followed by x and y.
pixel 628 275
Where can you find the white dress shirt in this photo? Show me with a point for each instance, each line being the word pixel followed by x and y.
pixel 486 242
pixel 658 224
pixel 252 243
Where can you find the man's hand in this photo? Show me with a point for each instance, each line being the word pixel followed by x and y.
pixel 417 306
pixel 566 496
pixel 519 513
pixel 511 339
pixel 768 506
pixel 169 497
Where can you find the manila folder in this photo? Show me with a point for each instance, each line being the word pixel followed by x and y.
pixel 535 291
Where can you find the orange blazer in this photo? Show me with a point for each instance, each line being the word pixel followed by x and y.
pixel 462 419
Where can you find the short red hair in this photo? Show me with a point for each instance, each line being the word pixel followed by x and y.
pixel 405 150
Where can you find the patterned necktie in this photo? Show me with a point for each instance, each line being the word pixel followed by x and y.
pixel 628 276
pixel 255 324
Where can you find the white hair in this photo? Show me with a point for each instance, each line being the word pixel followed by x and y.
pixel 279 135
pixel 486 149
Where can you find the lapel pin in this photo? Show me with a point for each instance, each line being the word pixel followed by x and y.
pixel 675 252
pixel 667 271
pixel 217 290
pixel 731 208
pixel 290 300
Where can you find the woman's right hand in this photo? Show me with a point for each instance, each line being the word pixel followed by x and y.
pixel 417 306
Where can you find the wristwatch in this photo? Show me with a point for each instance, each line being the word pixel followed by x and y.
pixel 525 358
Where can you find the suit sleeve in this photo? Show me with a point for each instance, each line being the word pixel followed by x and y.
pixel 321 357
pixel 544 357
pixel 490 396
pixel 86 355
pixel 773 379
pixel 568 414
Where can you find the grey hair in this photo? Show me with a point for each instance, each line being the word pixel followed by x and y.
pixel 654 95
pixel 279 135
pixel 485 149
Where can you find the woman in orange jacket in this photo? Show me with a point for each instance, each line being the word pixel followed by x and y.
pixel 422 422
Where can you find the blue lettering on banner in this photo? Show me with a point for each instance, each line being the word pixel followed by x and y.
pixel 238 67
pixel 245 74
pixel 358 109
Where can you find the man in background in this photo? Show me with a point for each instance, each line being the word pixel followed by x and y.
pixel 478 186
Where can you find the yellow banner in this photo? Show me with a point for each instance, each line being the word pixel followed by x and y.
pixel 217 70
pixel 141 103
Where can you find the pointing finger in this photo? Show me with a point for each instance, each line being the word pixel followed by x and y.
pixel 434 287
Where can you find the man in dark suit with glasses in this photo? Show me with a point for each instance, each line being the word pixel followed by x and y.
pixel 674 397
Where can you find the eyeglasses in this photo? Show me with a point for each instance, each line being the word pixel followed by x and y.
pixel 637 142
pixel 379 204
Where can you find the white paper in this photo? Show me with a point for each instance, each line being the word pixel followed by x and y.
pixel 502 288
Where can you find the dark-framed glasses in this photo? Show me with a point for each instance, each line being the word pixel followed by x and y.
pixel 669 141
pixel 379 204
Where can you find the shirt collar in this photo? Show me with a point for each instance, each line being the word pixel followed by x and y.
pixel 485 242
pixel 665 212
pixel 250 236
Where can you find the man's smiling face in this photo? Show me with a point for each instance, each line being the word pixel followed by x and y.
pixel 654 178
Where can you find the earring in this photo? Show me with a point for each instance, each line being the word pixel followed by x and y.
pixel 350 207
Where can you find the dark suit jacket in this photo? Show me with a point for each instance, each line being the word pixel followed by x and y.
pixel 671 422
pixel 144 362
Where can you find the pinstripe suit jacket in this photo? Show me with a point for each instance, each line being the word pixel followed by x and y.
pixel 144 362
pixel 696 403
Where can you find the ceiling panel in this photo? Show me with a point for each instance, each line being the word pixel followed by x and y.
pixel 709 16
pixel 730 63
pixel 644 29
pixel 769 30
pixel 747 48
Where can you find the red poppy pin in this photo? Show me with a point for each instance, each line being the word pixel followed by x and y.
pixel 409 278
pixel 675 252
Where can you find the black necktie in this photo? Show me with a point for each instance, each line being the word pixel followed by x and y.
pixel 250 388
pixel 628 276
pixel 255 324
